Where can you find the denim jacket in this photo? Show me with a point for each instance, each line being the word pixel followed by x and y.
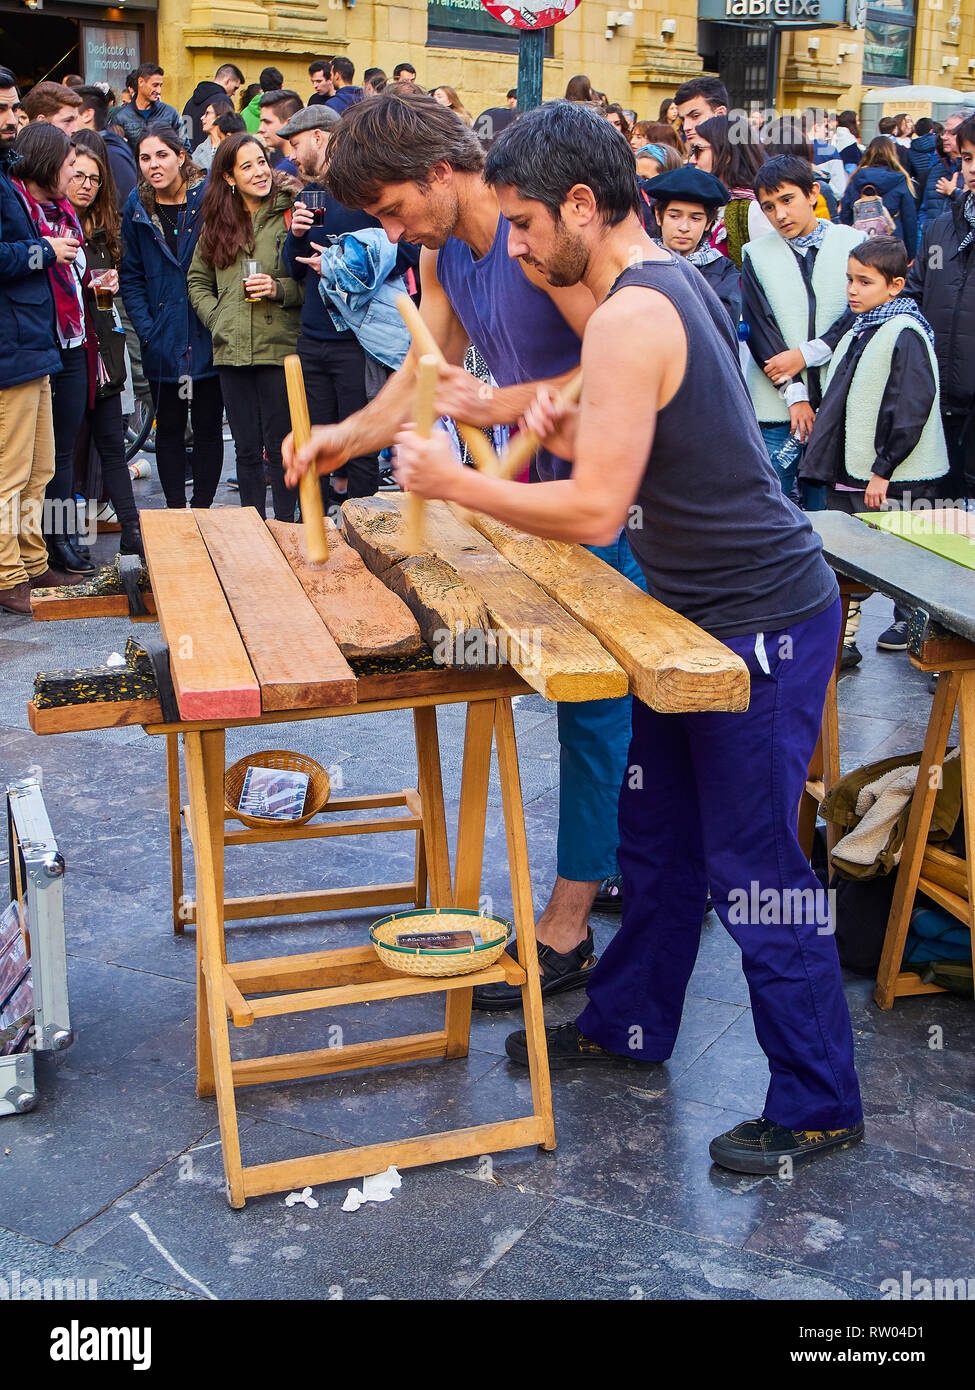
pixel 360 292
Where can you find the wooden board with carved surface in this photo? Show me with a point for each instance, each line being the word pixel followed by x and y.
pixel 435 594
pixel 673 665
pixel 547 647
pixel 293 654
pixel 365 618
pixel 212 676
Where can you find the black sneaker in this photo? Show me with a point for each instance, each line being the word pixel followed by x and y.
pixel 893 638
pixel 609 897
pixel 559 971
pixel 850 657
pixel 759 1146
pixel 568 1048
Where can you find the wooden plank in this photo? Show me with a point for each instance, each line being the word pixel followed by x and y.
pixel 290 1173
pixel 322 900
pixel 384 1052
pixel 555 654
pixel 362 614
pixel 948 870
pixel 293 654
pixel 211 673
pixel 890 565
pixel 453 619
pixel 673 666
pixel 100 714
pixel 51 605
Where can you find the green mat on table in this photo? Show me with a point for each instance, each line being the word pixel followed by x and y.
pixel 926 529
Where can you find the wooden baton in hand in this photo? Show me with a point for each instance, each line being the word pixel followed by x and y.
pixel 427 372
pixel 309 492
pixel 515 458
pixel 423 340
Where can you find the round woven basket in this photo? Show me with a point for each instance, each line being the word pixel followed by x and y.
pixel 317 793
pixel 411 961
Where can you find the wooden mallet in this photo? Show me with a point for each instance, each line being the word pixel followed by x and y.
pixel 516 457
pixel 423 340
pixel 309 491
pixel 427 371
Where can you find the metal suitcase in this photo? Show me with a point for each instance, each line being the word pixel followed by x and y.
pixel 36 871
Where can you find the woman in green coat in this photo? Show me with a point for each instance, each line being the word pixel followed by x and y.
pixel 252 311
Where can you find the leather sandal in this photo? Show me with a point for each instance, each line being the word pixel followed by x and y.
pixel 559 972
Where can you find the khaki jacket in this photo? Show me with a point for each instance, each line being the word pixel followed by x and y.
pixel 250 335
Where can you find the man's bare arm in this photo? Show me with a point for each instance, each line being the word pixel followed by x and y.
pixel 464 398
pixel 374 427
pixel 633 362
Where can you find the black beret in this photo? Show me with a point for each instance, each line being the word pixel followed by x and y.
pixel 688 185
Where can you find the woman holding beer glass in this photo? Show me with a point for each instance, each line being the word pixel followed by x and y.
pixel 239 286
pixel 92 195
pixel 160 227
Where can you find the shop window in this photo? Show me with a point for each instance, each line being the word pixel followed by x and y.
pixel 888 48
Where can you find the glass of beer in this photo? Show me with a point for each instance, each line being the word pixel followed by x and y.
pixel 103 295
pixel 314 201
pixel 252 268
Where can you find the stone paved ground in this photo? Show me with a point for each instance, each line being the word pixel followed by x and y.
pixel 116 1176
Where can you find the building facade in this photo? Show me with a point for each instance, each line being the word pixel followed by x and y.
pixel 637 55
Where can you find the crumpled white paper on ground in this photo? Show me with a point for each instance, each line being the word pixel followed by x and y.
pixel 378 1187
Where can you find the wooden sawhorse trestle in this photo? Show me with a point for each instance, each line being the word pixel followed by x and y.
pixel 329 978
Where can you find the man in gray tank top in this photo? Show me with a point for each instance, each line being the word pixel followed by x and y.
pixel 412 164
pixel 665 435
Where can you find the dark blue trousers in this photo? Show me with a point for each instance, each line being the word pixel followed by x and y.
pixel 712 799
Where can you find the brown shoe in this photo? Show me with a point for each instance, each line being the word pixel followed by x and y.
pixel 17 599
pixel 55 579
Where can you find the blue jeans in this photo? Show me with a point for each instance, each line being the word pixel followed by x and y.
pixel 594 736
pixel 810 496
pixel 717 807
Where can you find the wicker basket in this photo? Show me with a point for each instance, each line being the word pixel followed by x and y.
pixel 495 930
pixel 317 793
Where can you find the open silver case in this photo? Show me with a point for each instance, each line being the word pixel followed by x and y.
pixel 36 871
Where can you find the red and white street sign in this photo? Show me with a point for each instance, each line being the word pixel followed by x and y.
pixel 528 16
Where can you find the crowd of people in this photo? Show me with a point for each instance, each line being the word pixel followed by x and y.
pixel 770 316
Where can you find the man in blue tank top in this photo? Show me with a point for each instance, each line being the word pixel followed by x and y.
pixel 665 434
pixel 411 163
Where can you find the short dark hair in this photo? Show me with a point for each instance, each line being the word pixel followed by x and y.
pixel 94 99
pixel 132 81
pixel 271 80
pixel 396 139
pixel 965 133
pixel 320 65
pixel 230 123
pixel 372 72
pixel 926 126
pixel 284 104
pixel 786 136
pixel 888 254
pixel 344 68
pixel 228 70
pixel 400 68
pixel 784 168
pixel 7 79
pixel 47 98
pixel 512 92
pixel 43 148
pixel 546 152
pixel 148 70
pixel 712 89
pixel 886 125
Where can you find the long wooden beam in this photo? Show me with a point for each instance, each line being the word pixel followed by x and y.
pixel 673 665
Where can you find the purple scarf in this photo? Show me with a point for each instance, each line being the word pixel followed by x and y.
pixel 49 219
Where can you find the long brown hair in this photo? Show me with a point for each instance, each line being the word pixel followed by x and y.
pixel 102 213
pixel 882 153
pixel 227 226
pixel 455 103
pixel 189 172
